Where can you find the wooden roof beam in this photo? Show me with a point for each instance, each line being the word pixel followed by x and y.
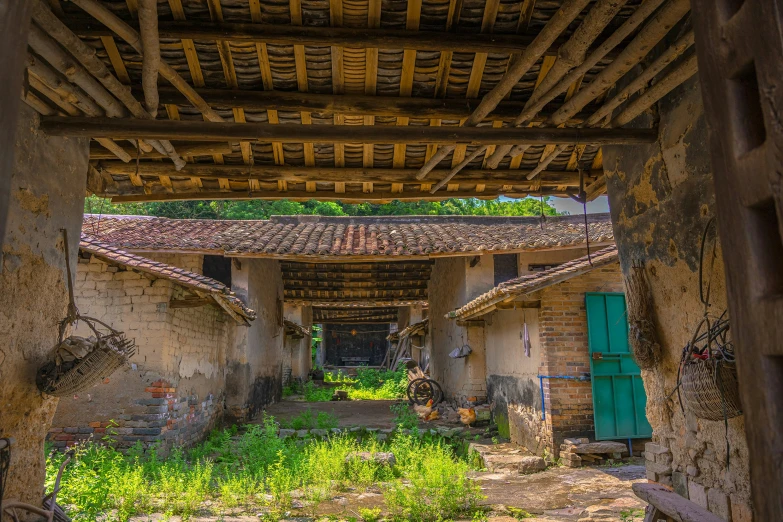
pixel 353 104
pixel 358 38
pixel 288 173
pixel 568 11
pixel 602 51
pixel 301 195
pixel 222 131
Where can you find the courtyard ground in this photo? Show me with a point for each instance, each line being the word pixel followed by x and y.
pixel 370 414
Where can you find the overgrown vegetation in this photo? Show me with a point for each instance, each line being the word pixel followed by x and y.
pixel 369 384
pixel 260 209
pixel 259 472
pixel 307 420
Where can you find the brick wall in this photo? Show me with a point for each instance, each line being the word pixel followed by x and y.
pixel 563 338
pixel 173 392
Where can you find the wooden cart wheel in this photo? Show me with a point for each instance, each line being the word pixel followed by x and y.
pixel 411 387
pixel 426 390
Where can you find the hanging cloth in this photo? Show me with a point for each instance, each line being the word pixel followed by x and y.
pixel 525 336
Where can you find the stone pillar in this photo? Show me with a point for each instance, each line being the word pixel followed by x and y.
pixel 47 193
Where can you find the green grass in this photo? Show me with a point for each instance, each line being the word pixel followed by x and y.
pixel 256 472
pixel 307 421
pixel 369 384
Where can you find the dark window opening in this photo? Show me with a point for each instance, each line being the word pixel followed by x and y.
pixel 541 267
pixel 218 268
pixel 505 267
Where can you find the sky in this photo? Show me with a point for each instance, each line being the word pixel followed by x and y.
pixel 599 204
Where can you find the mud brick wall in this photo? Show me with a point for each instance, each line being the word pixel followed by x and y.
pixel 173 392
pixel 563 337
pixel 661 196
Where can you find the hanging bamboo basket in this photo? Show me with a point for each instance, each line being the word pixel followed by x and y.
pixel 708 374
pixel 68 372
pixel 78 363
pixel 710 389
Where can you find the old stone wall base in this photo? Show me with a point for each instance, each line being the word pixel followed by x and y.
pixel 527 429
pixel 163 419
pixel 658 462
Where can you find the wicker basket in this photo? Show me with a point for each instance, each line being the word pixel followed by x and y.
pixel 710 389
pixel 110 351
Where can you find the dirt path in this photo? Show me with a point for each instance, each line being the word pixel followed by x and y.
pixel 559 494
pixel 371 414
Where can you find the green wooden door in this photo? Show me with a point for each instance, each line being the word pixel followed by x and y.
pixel 618 394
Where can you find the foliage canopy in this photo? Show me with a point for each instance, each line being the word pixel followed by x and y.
pixel 263 209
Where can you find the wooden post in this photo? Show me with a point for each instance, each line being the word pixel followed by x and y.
pixel 150 65
pixel 14 23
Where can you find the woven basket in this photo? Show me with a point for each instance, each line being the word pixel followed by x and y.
pixel 110 351
pixel 710 389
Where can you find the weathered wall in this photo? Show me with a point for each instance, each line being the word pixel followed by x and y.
pixel 47 194
pixel 661 196
pixel 558 334
pixel 255 370
pixel 512 382
pixel 173 395
pixel 297 358
pixel 563 330
pixel 453 283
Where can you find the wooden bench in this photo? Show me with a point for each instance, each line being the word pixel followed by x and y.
pixel 668 506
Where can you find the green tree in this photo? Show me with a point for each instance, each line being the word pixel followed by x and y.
pixel 263 209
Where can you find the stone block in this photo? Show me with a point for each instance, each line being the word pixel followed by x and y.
pixel 655 449
pixel 664 458
pixel 740 510
pixel 697 494
pixel 302 434
pixel 718 503
pixel 661 469
pixel 319 433
pixel 680 483
pixel 574 442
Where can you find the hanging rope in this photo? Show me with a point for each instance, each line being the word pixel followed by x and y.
pixel 73 312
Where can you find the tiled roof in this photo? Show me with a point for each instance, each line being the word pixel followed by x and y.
pixel 531 282
pixel 295 330
pixel 185 278
pixel 298 237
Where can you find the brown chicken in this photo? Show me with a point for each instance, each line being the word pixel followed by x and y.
pixel 467 416
pixel 423 411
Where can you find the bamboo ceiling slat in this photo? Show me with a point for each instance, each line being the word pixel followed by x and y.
pixel 456 60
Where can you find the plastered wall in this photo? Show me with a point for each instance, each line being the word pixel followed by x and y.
pixel 453 283
pixel 661 196
pixel 47 194
pixel 254 374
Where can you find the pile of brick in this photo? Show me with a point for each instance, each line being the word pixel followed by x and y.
pixel 575 452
